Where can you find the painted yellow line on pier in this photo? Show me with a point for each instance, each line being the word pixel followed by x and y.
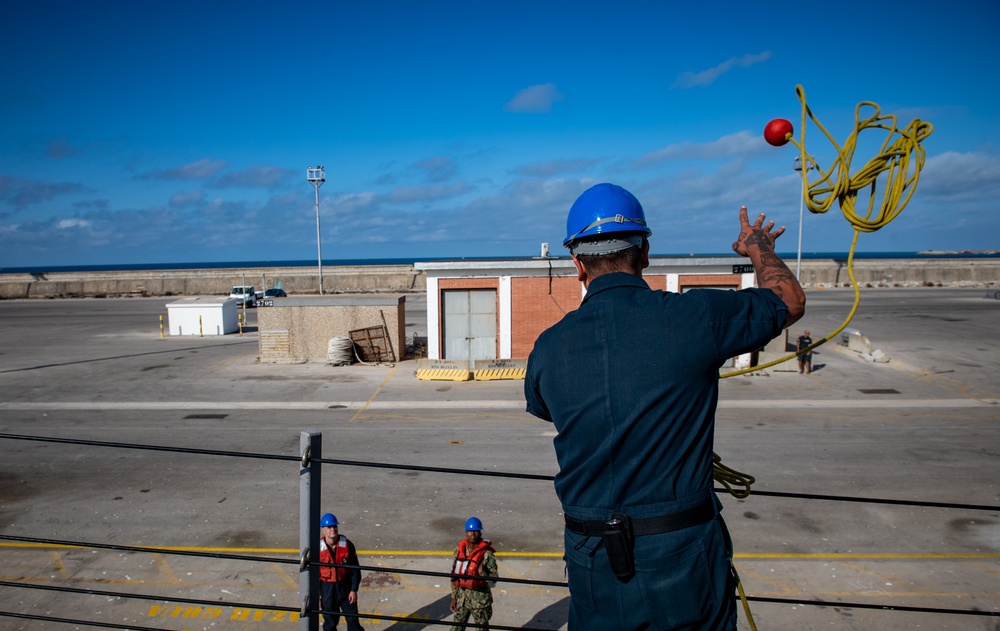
pixel 869 555
pixel 806 556
pixel 374 394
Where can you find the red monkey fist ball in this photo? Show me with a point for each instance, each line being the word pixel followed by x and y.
pixel 776 132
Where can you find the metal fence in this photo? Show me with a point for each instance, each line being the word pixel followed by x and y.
pixel 310 464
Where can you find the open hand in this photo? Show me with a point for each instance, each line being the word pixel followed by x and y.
pixel 758 234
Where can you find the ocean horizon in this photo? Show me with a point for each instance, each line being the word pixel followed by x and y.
pixel 116 267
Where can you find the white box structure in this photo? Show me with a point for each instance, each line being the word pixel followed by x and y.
pixel 203 315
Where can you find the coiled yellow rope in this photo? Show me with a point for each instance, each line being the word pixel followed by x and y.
pixel 902 158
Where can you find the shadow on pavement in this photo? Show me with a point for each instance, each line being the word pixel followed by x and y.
pixel 437 610
pixel 552 617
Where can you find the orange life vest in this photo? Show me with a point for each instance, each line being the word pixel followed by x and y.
pixel 469 564
pixel 339 555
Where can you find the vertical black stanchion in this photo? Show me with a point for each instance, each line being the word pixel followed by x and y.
pixel 311 448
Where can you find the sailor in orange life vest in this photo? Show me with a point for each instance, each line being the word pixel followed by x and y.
pixel 338 586
pixel 474 559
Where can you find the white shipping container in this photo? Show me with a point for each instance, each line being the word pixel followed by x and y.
pixel 203 315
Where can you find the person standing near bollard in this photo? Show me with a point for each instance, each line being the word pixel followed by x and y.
pixel 338 586
pixel 474 559
pixel 805 359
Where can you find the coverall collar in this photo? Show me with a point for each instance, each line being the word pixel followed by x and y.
pixel 612 281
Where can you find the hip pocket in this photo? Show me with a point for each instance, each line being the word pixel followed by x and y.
pixel 580 570
pixel 678 586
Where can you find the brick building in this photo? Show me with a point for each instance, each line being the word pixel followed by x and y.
pixel 495 309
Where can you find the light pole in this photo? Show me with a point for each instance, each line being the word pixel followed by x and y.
pixel 317 175
pixel 797 166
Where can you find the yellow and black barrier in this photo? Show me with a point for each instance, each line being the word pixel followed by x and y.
pixel 458 369
pixel 494 369
pixel 443 370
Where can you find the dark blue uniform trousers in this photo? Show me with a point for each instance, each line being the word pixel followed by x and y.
pixel 683 580
pixel 333 597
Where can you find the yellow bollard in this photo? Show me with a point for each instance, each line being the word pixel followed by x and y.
pixel 239 317
pixel 161 326
pixel 201 330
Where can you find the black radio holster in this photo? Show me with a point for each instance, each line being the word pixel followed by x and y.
pixel 618 541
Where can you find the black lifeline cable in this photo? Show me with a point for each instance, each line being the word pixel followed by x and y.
pixel 181 450
pixel 525 476
pixel 872 500
pixel 86 623
pixel 448 575
pixel 407 467
pixel 123 548
pixel 261 559
pixel 829 603
pixel 501 474
pixel 216 603
pixel 448 623
pixel 126 595
pixel 242 454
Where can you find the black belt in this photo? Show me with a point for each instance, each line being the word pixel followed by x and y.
pixel 649 525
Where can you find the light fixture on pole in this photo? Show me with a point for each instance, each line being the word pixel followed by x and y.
pixel 797 166
pixel 317 175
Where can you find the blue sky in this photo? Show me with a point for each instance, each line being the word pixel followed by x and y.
pixel 181 131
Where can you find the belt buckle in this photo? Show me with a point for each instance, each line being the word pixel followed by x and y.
pixel 618 521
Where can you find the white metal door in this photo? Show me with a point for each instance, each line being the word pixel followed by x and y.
pixel 470 324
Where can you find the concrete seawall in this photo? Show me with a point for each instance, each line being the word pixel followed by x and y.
pixel 403 278
pixel 901 272
pixel 195 282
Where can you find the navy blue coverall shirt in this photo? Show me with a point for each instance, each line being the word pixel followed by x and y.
pixel 630 381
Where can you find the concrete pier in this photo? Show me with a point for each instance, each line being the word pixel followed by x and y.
pixel 404 278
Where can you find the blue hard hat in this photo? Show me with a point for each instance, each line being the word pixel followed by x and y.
pixel 473 523
pixel 603 209
pixel 328 520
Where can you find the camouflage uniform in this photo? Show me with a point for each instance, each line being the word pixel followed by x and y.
pixel 477 603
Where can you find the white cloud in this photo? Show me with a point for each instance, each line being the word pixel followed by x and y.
pixel 183 199
pixel 555 167
pixel 411 194
pixel 198 170
pixel 60 148
pixel 66 224
pixel 954 177
pixel 260 176
pixel 690 79
pixel 738 144
pixel 20 192
pixel 535 99
pixel 437 168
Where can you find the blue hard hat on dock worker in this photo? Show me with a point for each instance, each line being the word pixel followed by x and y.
pixel 329 520
pixel 606 218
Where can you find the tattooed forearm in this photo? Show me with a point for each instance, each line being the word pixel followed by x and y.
pixel 770 259
pixel 772 276
pixel 772 271
pixel 756 242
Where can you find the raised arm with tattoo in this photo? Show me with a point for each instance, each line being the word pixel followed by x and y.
pixel 757 242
